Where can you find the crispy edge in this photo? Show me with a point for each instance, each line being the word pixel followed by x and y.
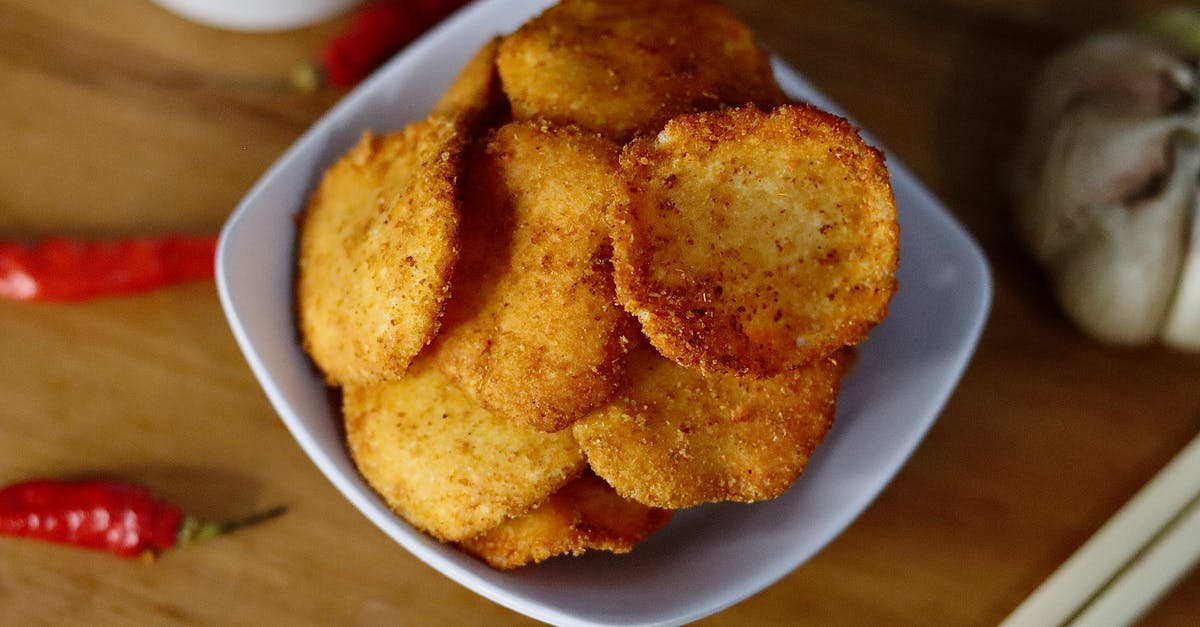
pixel 446 465
pixel 625 67
pixel 585 515
pixel 687 323
pixel 367 339
pixel 474 97
pixel 678 437
pixel 504 341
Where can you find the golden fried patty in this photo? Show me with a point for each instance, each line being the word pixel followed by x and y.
pixel 474 96
pixel 677 437
pixel 378 242
pixel 585 515
pixel 755 242
pixel 533 329
pixel 447 466
pixel 622 67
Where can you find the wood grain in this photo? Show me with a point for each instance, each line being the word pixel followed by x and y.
pixel 119 118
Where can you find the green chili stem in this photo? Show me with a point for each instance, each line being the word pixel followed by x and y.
pixel 192 530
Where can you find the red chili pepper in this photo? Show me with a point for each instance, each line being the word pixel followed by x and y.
pixel 121 518
pixel 66 269
pixel 375 33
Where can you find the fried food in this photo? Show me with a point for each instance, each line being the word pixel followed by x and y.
pixel 677 437
pixel 533 329
pixel 474 97
pixel 448 466
pixel 479 285
pixel 586 515
pixel 623 67
pixel 754 243
pixel 378 242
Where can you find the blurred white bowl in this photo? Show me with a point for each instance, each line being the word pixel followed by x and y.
pixel 709 557
pixel 257 15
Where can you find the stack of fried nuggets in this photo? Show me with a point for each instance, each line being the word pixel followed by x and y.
pixel 613 274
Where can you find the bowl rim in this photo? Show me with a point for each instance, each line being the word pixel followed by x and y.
pixel 315 148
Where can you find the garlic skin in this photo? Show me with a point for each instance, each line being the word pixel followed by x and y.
pixel 1118 277
pixel 1122 71
pixel 1182 327
pixel 1105 186
pixel 1093 159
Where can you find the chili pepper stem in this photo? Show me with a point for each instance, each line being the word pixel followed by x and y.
pixel 306 77
pixel 193 530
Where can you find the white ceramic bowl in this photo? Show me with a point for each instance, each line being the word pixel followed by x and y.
pixel 709 557
pixel 257 15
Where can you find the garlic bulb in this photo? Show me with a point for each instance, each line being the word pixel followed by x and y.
pixel 1182 327
pixel 1092 159
pixel 1117 277
pixel 1106 183
pixel 1133 73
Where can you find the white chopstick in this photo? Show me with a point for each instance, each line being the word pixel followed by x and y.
pixel 1098 585
pixel 1150 576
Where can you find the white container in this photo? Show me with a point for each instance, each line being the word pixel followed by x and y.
pixel 257 15
pixel 708 557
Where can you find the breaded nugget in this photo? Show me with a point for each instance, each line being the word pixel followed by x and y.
pixel 475 97
pixel 754 242
pixel 533 329
pixel 378 242
pixel 447 466
pixel 677 437
pixel 585 515
pixel 623 67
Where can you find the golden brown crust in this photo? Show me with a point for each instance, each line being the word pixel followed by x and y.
pixel 677 437
pixel 622 67
pixel 447 466
pixel 474 96
pixel 585 515
pixel 533 330
pixel 754 248
pixel 752 242
pixel 378 243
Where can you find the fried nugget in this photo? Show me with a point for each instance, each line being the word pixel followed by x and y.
pixel 475 97
pixel 622 67
pixel 378 242
pixel 586 515
pixel 446 465
pixel 677 437
pixel 752 242
pixel 533 329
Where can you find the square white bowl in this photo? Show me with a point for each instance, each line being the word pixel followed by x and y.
pixel 708 557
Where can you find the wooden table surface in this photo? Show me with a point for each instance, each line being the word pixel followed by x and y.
pixel 118 118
